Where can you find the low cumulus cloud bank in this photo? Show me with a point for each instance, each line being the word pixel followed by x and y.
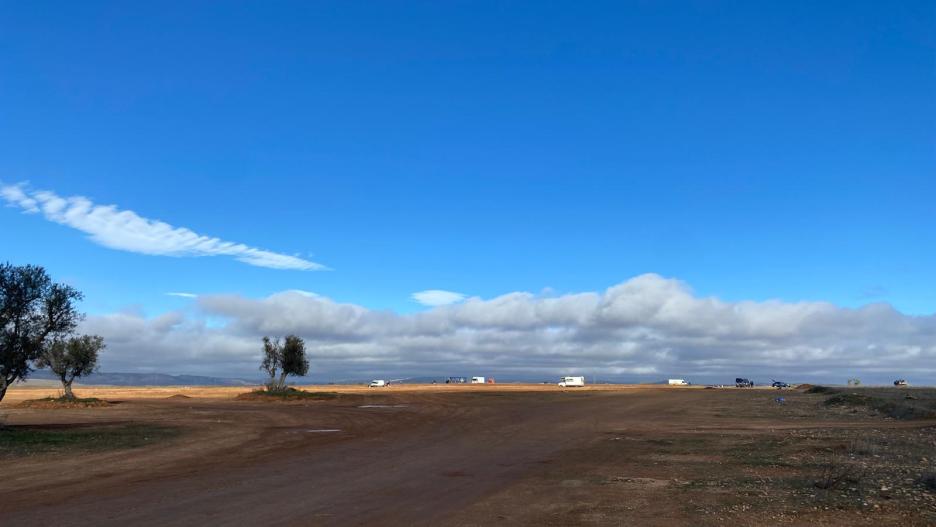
pixel 648 327
pixel 127 231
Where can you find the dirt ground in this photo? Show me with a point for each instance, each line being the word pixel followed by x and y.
pixel 474 455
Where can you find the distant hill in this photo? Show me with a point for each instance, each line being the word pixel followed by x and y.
pixel 149 379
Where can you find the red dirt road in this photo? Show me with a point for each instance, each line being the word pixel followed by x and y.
pixel 464 457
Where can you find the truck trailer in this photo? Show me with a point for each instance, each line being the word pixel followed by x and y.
pixel 678 382
pixel 477 380
pixel 568 382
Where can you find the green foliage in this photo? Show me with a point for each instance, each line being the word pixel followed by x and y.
pixel 286 358
pixel 272 358
pixel 32 310
pixel 71 358
pixel 294 357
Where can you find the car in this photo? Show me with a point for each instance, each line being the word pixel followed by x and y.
pixel 901 382
pixel 780 385
pixel 741 382
pixel 378 383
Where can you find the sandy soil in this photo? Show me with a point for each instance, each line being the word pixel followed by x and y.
pixel 421 455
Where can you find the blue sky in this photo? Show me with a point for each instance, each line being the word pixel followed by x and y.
pixel 754 151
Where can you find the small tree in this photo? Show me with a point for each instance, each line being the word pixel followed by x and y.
pixel 32 309
pixel 285 359
pixel 71 358
pixel 272 360
pixel 294 358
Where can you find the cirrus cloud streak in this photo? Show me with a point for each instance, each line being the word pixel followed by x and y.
pixel 125 230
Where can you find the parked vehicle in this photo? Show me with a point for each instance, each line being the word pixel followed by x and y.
pixel 377 383
pixel 741 382
pixel 901 382
pixel 678 382
pixel 477 380
pixel 779 385
pixel 456 380
pixel 569 382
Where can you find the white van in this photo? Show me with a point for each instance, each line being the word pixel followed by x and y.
pixel 477 380
pixel 678 382
pixel 377 383
pixel 567 382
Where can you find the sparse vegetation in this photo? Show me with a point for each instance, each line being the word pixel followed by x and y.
pixel 64 402
pixel 885 402
pixel 24 441
pixel 838 470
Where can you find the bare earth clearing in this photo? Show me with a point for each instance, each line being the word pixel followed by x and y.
pixel 468 455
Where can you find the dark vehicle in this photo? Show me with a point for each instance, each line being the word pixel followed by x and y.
pixel 743 383
pixel 900 382
pixel 779 385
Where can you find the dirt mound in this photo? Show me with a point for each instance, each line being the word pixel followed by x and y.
pixel 177 397
pixel 288 395
pixel 51 403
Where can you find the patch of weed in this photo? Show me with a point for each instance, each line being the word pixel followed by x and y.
pixel 896 408
pixel 24 441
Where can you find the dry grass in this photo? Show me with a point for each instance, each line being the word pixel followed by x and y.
pixel 52 403
pixel 21 393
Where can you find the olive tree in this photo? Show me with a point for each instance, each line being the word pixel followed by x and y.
pixel 33 310
pixel 281 359
pixel 272 360
pixel 71 358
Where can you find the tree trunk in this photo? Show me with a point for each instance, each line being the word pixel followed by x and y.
pixel 3 386
pixel 68 390
pixel 281 385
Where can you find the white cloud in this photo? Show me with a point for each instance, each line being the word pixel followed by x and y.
pixel 183 295
pixel 646 326
pixel 127 231
pixel 14 196
pixel 437 297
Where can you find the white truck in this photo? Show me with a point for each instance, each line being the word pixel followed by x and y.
pixel 477 380
pixel 568 382
pixel 678 382
pixel 377 383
